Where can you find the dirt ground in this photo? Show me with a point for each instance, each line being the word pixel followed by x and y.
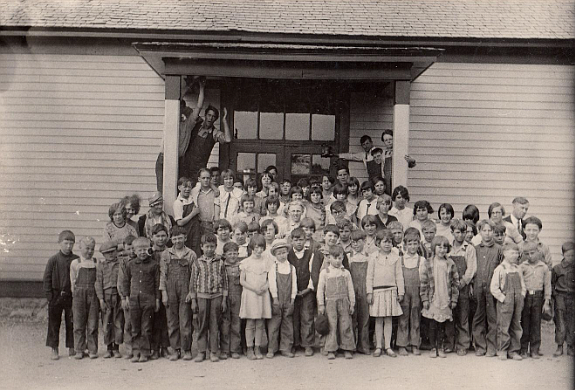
pixel 25 364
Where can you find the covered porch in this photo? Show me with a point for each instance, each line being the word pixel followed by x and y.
pixel 287 104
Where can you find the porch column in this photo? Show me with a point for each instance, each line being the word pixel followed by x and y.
pixel 400 132
pixel 171 140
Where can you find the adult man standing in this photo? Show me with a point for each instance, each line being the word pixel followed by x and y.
pixel 197 136
pixel 203 137
pixel 520 208
pixel 365 156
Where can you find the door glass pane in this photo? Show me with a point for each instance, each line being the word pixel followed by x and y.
pixel 323 127
pixel 245 124
pixel 246 161
pixel 300 164
pixel 271 125
pixel 265 160
pixel 297 127
pixel 320 165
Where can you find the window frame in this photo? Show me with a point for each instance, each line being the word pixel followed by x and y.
pixel 339 93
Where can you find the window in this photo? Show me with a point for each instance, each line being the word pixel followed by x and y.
pixel 284 110
pixel 246 124
pixel 254 163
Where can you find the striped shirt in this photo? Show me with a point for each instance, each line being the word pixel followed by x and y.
pixel 209 278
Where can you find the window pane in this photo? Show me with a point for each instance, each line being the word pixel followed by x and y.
pixel 323 127
pixel 246 161
pixel 265 160
pixel 320 165
pixel 300 164
pixel 297 127
pixel 271 125
pixel 245 124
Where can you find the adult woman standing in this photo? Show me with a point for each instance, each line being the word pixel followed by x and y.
pixel 118 228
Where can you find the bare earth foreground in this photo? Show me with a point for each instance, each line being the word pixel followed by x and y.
pixel 25 364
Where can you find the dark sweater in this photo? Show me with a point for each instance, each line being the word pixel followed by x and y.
pixel 57 274
pixel 563 279
pixel 381 225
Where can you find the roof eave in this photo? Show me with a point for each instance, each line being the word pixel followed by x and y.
pixel 244 36
pixel 280 60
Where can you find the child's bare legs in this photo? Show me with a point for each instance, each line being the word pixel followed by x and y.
pixel 258 338
pixel 387 328
pixel 250 333
pixel 378 336
pixel 253 334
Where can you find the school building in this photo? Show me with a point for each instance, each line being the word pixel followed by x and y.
pixel 480 92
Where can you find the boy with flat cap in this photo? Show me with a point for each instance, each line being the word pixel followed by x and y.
pixel 110 302
pixel 283 288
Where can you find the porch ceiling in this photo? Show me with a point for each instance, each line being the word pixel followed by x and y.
pixel 287 61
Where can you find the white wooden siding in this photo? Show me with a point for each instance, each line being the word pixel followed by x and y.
pixel 490 132
pixel 484 133
pixel 78 133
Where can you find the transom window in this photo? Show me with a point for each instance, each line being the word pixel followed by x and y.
pixel 284 111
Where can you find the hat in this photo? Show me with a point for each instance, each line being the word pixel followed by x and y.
pixel 66 235
pixel 108 246
pixel 568 246
pixel 277 244
pixel 322 324
pixel 155 199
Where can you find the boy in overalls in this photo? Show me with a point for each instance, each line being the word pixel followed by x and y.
pixel 336 299
pixel 358 268
pixel 85 302
pixel 186 214
pixel 110 302
pixel 175 271
pixel 408 332
pixel 124 257
pixel 231 329
pixel 508 287
pixel 283 288
pixel 485 318
pixel 465 259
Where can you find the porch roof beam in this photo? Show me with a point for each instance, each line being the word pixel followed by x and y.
pixel 289 70
pixel 287 61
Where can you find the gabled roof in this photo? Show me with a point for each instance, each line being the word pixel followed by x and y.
pixel 453 19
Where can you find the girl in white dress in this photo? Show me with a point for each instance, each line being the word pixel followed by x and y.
pixel 385 290
pixel 256 302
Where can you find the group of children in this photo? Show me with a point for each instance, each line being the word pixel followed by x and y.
pixel 319 264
